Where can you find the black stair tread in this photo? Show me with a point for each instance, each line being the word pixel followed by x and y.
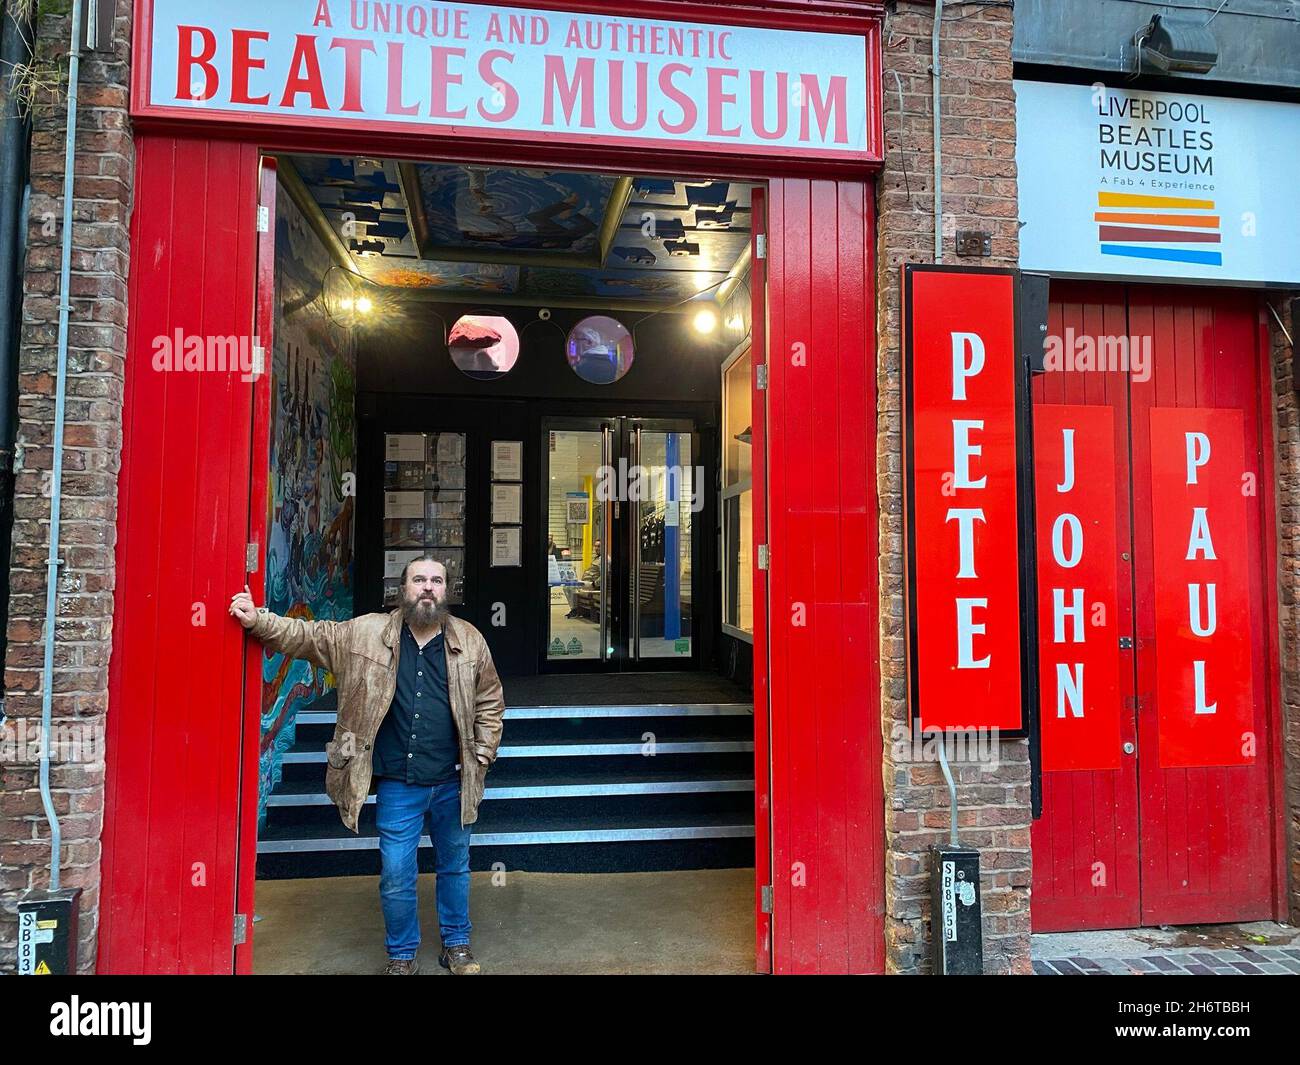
pixel 585 776
pixel 602 731
pixel 531 822
pixel 605 689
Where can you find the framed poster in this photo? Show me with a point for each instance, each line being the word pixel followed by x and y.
pixel 507 460
pixel 507 545
pixel 508 504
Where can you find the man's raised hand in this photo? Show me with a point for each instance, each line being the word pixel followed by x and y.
pixel 242 608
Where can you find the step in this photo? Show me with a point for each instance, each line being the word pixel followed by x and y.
pixel 562 749
pixel 550 786
pixel 515 832
pixel 665 765
pixel 553 713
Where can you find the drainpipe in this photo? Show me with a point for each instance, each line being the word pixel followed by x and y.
pixel 935 109
pixel 15 52
pixel 60 405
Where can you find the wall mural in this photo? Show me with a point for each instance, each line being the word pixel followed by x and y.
pixel 474 208
pixel 313 447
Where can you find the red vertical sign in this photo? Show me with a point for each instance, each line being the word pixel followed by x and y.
pixel 1199 491
pixel 1078 602
pixel 963 534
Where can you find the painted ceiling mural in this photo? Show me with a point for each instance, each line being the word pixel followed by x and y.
pixel 535 234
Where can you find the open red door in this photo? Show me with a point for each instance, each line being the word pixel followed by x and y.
pixel 821 634
pixel 762 709
pixel 258 520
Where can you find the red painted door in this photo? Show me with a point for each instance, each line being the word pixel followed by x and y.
pixel 1206 832
pixel 172 784
pixel 1085 845
pixel 825 740
pixel 762 719
pixel 1173 835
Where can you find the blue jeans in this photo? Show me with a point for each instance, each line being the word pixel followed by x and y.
pixel 401 811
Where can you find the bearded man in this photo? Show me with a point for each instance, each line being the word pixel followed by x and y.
pixel 419 712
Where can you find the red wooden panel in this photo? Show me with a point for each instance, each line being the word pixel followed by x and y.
pixel 960 465
pixel 1078 612
pixel 825 739
pixel 1208 834
pixel 1085 845
pixel 259 519
pixel 762 710
pixel 857 523
pixel 173 763
pixel 1204 702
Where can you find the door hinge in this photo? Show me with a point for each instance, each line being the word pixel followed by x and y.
pixel 252 553
pixel 764 556
pixel 1126 643
pixel 765 898
pixel 241 929
pixel 263 218
pixel 259 360
pixel 760 246
pixel 760 375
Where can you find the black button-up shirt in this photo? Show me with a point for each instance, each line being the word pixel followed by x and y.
pixel 417 742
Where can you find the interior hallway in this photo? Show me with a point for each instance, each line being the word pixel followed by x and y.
pixel 530 923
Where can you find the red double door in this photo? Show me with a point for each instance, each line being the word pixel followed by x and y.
pixel 1161 771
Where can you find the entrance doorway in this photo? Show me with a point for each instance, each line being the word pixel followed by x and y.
pixel 622 495
pixel 816 695
pixel 527 377
pixel 1182 829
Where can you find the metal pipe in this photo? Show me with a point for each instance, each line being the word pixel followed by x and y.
pixel 15 54
pixel 1277 318
pixel 952 786
pixel 938 158
pixel 60 409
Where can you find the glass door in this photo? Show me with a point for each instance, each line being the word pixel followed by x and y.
pixel 660 571
pixel 621 497
pixel 579 517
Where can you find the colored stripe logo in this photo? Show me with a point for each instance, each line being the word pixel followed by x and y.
pixel 1157 227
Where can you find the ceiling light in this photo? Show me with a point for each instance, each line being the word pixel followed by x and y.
pixel 364 305
pixel 706 322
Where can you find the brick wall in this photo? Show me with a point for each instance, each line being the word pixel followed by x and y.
pixel 97 346
pixel 1288 546
pixel 979 192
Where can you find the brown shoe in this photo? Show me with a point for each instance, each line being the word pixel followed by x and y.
pixel 401 967
pixel 459 959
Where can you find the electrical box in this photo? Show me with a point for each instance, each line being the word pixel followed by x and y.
pixel 956 942
pixel 47 933
pixel 97 19
pixel 1032 294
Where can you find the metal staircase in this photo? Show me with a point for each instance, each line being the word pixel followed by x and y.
pixel 594 774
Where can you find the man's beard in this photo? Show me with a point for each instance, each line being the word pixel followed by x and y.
pixel 424 612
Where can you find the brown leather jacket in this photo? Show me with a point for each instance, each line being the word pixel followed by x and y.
pixel 362 655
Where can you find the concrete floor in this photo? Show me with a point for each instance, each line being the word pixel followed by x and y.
pixel 1124 942
pixel 562 923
